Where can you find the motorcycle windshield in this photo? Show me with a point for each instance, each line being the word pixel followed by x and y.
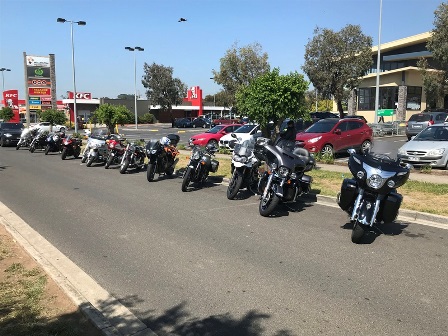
pixel 244 149
pixel 153 144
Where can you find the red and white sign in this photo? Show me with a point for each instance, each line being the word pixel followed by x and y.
pixel 39 91
pixel 39 82
pixel 46 99
pixel 11 100
pixel 80 95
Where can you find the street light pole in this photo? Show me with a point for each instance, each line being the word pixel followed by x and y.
pixel 80 23
pixel 378 64
pixel 135 82
pixel 3 79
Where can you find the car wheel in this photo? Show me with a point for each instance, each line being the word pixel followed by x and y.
pixel 213 142
pixel 62 129
pixel 327 150
pixel 366 145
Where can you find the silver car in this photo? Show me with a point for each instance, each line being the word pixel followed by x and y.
pixel 420 121
pixel 429 147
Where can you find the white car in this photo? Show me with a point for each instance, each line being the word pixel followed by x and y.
pixel 245 132
pixel 46 127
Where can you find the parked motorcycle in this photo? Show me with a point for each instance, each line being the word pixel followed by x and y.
pixel 370 197
pixel 244 167
pixel 71 146
pixel 96 148
pixel 115 150
pixel 285 179
pixel 133 156
pixel 54 142
pixel 39 140
pixel 162 156
pixel 25 138
pixel 200 165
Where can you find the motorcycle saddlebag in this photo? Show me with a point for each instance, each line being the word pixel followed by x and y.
pixel 174 138
pixel 214 164
pixel 305 183
pixel 391 205
pixel 348 194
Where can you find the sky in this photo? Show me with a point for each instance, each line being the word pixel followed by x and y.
pixel 192 48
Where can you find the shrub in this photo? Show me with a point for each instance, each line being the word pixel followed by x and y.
pixel 147 118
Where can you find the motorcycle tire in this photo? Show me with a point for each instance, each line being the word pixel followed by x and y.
pixel 18 146
pixel 186 180
pixel 90 161
pixel 76 152
pixel 124 166
pixel 84 159
pixel 109 162
pixel 150 172
pixel 32 149
pixel 268 204
pixel 234 186
pixel 47 149
pixel 64 154
pixel 358 233
pixel 170 171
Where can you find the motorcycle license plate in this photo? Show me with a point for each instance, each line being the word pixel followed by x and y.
pixel 413 158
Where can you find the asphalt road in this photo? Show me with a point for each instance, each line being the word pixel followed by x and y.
pixel 195 261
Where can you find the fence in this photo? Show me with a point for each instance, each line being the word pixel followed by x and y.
pixel 388 128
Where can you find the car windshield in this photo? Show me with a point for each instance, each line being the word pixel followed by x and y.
pixel 12 126
pixel 433 134
pixel 323 126
pixel 420 117
pixel 215 129
pixel 244 129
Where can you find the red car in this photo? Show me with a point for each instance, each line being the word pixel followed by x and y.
pixel 213 135
pixel 332 135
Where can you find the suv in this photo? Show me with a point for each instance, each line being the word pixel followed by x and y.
pixel 10 133
pixel 332 135
pixel 356 117
pixel 420 121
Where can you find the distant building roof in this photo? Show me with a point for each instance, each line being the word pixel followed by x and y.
pixel 404 42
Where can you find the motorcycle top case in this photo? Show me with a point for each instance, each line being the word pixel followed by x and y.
pixel 349 192
pixel 174 138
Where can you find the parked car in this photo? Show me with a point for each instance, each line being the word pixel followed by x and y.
pixel 356 117
pixel 299 124
pixel 183 123
pixel 420 121
pixel 201 122
pixel 224 121
pixel 316 116
pixel 429 147
pixel 245 132
pixel 45 125
pixel 10 133
pixel 213 135
pixel 332 135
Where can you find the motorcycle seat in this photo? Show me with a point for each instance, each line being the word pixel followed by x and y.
pixel 305 156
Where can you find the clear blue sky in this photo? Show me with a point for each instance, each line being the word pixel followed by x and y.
pixel 192 48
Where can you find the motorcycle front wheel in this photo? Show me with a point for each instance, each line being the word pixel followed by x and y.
pixel 234 185
pixel 18 146
pixel 64 153
pixel 76 152
pixel 150 172
pixel 268 203
pixel 47 149
pixel 186 180
pixel 109 162
pixel 84 158
pixel 90 161
pixel 124 166
pixel 358 233
pixel 32 149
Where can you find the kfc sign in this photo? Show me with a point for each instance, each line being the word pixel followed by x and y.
pixel 80 95
pixel 11 100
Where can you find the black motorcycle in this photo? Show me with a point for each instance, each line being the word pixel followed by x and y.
pixel 200 165
pixel 161 159
pixel 134 156
pixel 54 142
pixel 370 197
pixel 71 146
pixel 244 166
pixel 39 141
pixel 285 179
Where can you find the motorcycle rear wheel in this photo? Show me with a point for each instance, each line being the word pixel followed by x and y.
pixel 234 186
pixel 84 158
pixel 90 161
pixel 47 149
pixel 186 180
pixel 124 166
pixel 76 152
pixel 18 146
pixel 268 204
pixel 64 154
pixel 32 149
pixel 150 172
pixel 358 233
pixel 109 162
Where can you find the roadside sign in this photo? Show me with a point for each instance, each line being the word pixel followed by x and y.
pixel 34 102
pixel 386 112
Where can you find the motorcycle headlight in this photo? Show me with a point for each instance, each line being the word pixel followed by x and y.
pixel 360 174
pixel 375 181
pixel 8 135
pixel 390 183
pixel 153 151
pixel 283 171
pixel 436 152
pixel 313 140
pixel 55 137
pixel 273 166
pixel 196 155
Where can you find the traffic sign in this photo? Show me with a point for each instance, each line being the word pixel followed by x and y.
pixel 386 112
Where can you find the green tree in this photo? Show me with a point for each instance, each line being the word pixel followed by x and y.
pixel 336 61
pixel 323 104
pixel 147 118
pixel 239 67
pixel 54 117
pixel 6 113
pixel 161 88
pixel 126 96
pixel 273 97
pixel 111 115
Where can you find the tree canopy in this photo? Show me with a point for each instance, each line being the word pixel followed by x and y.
pixel 161 88
pixel 126 96
pixel 111 115
pixel 6 113
pixel 273 97
pixel 336 61
pixel 54 117
pixel 238 67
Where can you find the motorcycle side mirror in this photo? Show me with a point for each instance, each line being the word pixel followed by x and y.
pixel 233 135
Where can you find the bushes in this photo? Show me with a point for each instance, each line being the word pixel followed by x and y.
pixel 147 118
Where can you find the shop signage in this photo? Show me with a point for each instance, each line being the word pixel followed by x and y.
pixel 32 91
pixel 34 102
pixel 35 107
pixel 38 72
pixel 39 82
pixel 386 112
pixel 38 61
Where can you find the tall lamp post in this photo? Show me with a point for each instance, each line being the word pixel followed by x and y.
pixel 79 23
pixel 135 81
pixel 3 78
pixel 378 64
